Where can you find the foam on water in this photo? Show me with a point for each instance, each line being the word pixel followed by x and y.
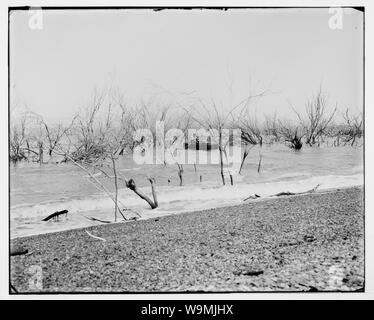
pixel 26 219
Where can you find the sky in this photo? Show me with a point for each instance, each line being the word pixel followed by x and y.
pixel 220 55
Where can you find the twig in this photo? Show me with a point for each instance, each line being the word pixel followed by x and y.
pixel 95 237
pixel 29 253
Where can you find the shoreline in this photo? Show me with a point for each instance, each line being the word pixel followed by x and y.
pixel 163 214
pixel 297 243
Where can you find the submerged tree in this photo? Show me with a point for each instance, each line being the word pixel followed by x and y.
pixel 216 120
pixel 317 119
pixel 352 128
pixel 18 139
pixel 272 128
pixel 291 134
pixel 251 135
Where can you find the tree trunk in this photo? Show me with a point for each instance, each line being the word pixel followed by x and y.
pixel 154 195
pixel 259 164
pixel 116 189
pixel 180 173
pixel 132 186
pixel 28 149
pixel 221 157
pixel 40 153
pixel 245 154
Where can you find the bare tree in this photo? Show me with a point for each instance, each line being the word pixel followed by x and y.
pixel 18 139
pixel 271 127
pixel 53 135
pixel 215 119
pixel 251 134
pixel 214 122
pixel 177 142
pixel 291 134
pixel 317 118
pixel 352 128
pixel 97 141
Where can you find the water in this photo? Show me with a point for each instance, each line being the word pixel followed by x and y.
pixel 37 191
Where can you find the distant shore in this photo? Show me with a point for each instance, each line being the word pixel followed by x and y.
pixel 311 242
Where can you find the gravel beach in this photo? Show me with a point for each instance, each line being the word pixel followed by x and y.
pixel 312 242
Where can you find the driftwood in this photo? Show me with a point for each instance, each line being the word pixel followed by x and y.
pixel 95 237
pixel 18 250
pixel 287 193
pixel 255 196
pixel 248 272
pixel 96 219
pixel 55 215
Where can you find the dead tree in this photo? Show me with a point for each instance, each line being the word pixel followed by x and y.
pixel 316 118
pixel 215 120
pixel 291 134
pixel 352 128
pixel 98 143
pixel 251 135
pixel 132 186
pixel 18 139
pixel 176 141
pixel 53 135
pixel 180 173
pixel 271 128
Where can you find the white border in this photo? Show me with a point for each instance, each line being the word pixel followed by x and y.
pixel 369 105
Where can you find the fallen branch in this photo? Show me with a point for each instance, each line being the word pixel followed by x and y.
pixel 255 196
pixel 96 219
pixel 288 193
pixel 95 237
pixel 18 250
pixel 55 215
